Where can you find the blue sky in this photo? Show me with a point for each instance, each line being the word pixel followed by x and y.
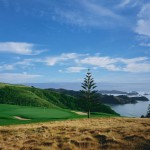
pixel 57 40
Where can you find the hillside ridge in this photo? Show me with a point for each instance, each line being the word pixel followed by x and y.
pixel 31 96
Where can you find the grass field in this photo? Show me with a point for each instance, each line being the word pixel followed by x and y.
pixel 82 134
pixel 37 114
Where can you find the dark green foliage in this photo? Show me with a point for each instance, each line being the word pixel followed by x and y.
pixel 67 92
pixel 21 96
pixel 97 106
pixel 88 91
pixel 29 96
pixel 62 100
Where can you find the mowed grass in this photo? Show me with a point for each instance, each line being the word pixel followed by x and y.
pixel 81 134
pixel 35 114
pixel 38 114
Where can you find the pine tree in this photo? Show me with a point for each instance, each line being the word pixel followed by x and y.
pixel 88 90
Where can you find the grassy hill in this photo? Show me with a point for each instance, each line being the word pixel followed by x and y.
pixel 31 96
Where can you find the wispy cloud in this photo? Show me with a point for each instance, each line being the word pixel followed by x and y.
pixel 22 64
pixel 73 69
pixel 123 3
pixel 26 62
pixel 143 24
pixel 21 48
pixel 137 65
pixel 97 9
pixel 83 61
pixel 129 3
pixel 83 13
pixel 142 27
pixel 88 13
pixel 76 62
pixel 18 77
pixel 51 61
pixel 103 62
pixel 7 67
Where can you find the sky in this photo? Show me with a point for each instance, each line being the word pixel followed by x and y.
pixel 58 40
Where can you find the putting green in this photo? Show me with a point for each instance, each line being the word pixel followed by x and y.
pixel 35 114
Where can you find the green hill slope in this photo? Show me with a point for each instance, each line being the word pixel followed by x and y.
pixel 21 96
pixel 31 96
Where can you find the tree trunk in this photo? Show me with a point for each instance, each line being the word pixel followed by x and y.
pixel 89 114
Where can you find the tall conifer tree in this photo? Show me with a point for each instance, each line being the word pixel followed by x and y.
pixel 88 90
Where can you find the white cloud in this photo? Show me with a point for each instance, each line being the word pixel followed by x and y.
pixel 133 60
pixel 6 67
pixel 21 48
pixel 124 3
pixel 103 62
pixel 78 62
pixel 26 62
pixel 142 27
pixel 74 69
pixel 18 77
pixel 100 61
pixel 97 9
pixel 145 44
pixel 138 65
pixel 129 3
pixel 143 22
pixel 51 61
pixel 145 11
pixel 88 13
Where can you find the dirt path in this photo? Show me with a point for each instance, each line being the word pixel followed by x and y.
pixel 20 118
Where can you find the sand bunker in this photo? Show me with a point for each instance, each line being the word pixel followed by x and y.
pixel 20 118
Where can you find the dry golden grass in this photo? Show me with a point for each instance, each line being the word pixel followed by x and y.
pixel 83 134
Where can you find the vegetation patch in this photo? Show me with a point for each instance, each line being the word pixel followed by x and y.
pixel 85 134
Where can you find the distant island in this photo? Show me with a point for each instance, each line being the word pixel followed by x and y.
pixel 146 93
pixel 118 92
